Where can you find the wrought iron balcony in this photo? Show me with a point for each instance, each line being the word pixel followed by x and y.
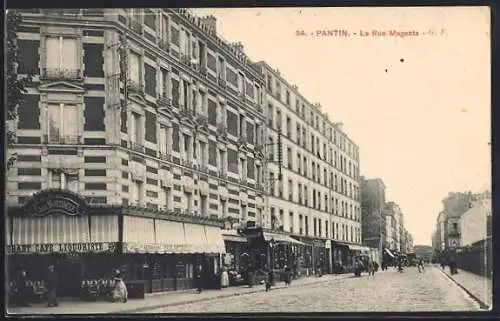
pixel 63 139
pixel 185 59
pixel 136 26
pixel 165 45
pixel 135 87
pixel 202 120
pixel 164 101
pixel 165 156
pixel 187 163
pixel 221 129
pixel 60 74
pixel 203 71
pixel 222 175
pixel 222 82
pixel 186 113
pixel 242 140
pixel 137 147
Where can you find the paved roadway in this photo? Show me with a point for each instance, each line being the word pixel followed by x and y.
pixel 386 291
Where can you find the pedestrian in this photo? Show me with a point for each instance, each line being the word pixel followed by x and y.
pixel 21 290
pixel 199 278
pixel 224 278
pixel 371 268
pixel 52 283
pixel 420 266
pixel 287 274
pixel 120 292
pixel 270 279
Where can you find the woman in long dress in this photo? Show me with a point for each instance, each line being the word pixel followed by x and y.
pixel 120 292
pixel 224 278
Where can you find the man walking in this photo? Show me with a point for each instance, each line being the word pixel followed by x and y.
pixel 52 282
pixel 199 278
pixel 370 268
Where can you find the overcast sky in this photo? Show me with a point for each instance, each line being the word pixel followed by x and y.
pixel 418 107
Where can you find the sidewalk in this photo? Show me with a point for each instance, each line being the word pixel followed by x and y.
pixel 158 300
pixel 479 287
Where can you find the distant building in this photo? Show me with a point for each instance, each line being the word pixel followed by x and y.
pixel 474 222
pixel 372 208
pixel 392 213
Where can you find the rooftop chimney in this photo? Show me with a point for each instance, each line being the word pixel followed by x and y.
pixel 211 22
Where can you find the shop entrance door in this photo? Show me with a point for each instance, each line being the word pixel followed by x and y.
pixel 69 270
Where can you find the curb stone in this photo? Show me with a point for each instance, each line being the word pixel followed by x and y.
pixel 482 305
pixel 164 305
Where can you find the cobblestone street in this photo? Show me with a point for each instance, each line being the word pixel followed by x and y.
pixel 387 291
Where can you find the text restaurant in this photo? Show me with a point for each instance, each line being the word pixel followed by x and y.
pixel 154 251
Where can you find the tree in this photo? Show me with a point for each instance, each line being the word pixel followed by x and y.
pixel 16 86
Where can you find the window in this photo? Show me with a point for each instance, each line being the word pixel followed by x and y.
pixel 62 54
pixel 94 114
pixel 250 132
pixel 232 123
pixel 150 19
pixel 28 57
pixel 174 35
pixel 150 127
pixel 136 128
pixel 134 67
pixel 212 153
pixel 93 60
pixel 251 168
pixel 232 159
pixel 29 113
pixel 150 80
pixel 62 121
pixel 212 112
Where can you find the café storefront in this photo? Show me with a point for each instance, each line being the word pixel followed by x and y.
pixel 154 251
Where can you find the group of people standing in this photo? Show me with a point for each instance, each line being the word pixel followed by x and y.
pixel 21 292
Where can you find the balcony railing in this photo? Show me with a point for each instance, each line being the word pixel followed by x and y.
pixel 221 129
pixel 135 87
pixel 222 175
pixel 136 26
pixel 137 147
pixel 62 140
pixel 165 45
pixel 242 140
pixel 164 101
pixel 187 163
pixel 203 71
pixel 222 82
pixel 59 74
pixel 165 156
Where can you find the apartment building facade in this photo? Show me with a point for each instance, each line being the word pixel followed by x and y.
pixel 147 119
pixel 373 218
pixel 317 195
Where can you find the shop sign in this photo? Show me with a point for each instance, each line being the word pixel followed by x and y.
pixel 56 202
pixel 60 248
pixel 318 243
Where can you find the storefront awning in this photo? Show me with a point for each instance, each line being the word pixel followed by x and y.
pixel 171 237
pixel 280 238
pixel 353 247
pixel 389 252
pixel 233 236
pixel 215 240
pixel 57 234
